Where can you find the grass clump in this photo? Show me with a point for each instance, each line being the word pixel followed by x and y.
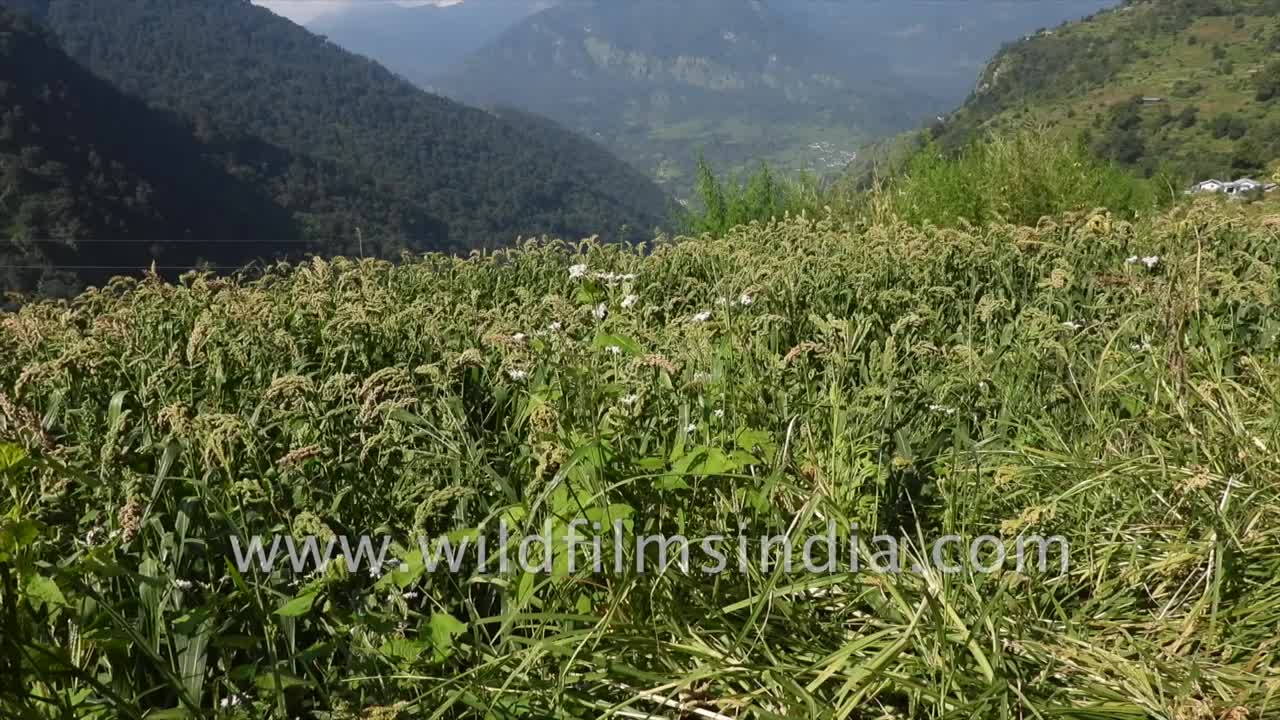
pixel 1112 382
pixel 1014 178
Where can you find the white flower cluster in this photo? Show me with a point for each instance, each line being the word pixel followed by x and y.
pixel 1150 261
pixel 1073 324
pixel 580 270
pixel 518 375
pixel 614 278
pixel 703 316
pixel 230 701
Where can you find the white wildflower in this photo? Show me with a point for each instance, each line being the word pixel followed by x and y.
pixel 613 349
pixel 1073 325
pixel 601 311
pixel 411 595
pixel 630 301
pixel 1151 261
pixel 518 375
pixel 94 535
pixel 703 316
pixel 718 413
pixel 690 429
pixel 629 400
pixel 1131 260
pixel 230 701
pixel 1143 346
pixel 555 326
pixel 519 337
pixel 1257 441
pixel 577 271
pixel 745 299
pixel 942 409
pixel 183 584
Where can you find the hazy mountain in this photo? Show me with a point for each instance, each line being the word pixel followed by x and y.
pixel 416 170
pixel 937 47
pixel 1189 86
pixel 663 80
pixel 422 41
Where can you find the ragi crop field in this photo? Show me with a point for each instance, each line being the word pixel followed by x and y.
pixel 1113 383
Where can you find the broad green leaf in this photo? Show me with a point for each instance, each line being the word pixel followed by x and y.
pixel 444 628
pixel 299 605
pixel 11 456
pixel 42 590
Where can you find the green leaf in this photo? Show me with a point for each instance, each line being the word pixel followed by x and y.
pixel 629 346
pixel 300 605
pixel 178 713
pixel 11 456
pixel 267 681
pixel 444 628
pixel 44 591
pixel 404 648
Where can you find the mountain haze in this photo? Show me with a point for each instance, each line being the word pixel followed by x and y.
pixel 662 81
pixel 421 41
pixel 935 48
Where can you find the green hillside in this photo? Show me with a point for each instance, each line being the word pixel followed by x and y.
pixel 1210 70
pixel 420 171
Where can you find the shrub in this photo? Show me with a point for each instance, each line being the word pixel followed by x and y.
pixel 1017 178
pixel 1268 82
pixel 725 204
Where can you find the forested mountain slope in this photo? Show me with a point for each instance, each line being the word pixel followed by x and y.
pixel 91 177
pixel 437 175
pixel 1191 86
pixel 662 81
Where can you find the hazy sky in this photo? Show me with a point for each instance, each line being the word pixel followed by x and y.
pixel 302 11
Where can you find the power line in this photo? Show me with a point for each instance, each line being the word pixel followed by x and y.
pixel 140 268
pixel 178 241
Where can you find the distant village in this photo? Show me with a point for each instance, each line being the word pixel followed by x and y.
pixel 1235 189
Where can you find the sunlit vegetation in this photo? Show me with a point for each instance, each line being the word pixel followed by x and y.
pixel 939 362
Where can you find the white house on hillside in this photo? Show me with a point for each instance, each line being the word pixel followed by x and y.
pixel 1236 188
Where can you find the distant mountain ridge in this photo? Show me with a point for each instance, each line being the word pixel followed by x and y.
pixel 428 173
pixel 937 47
pixel 421 42
pixel 663 80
